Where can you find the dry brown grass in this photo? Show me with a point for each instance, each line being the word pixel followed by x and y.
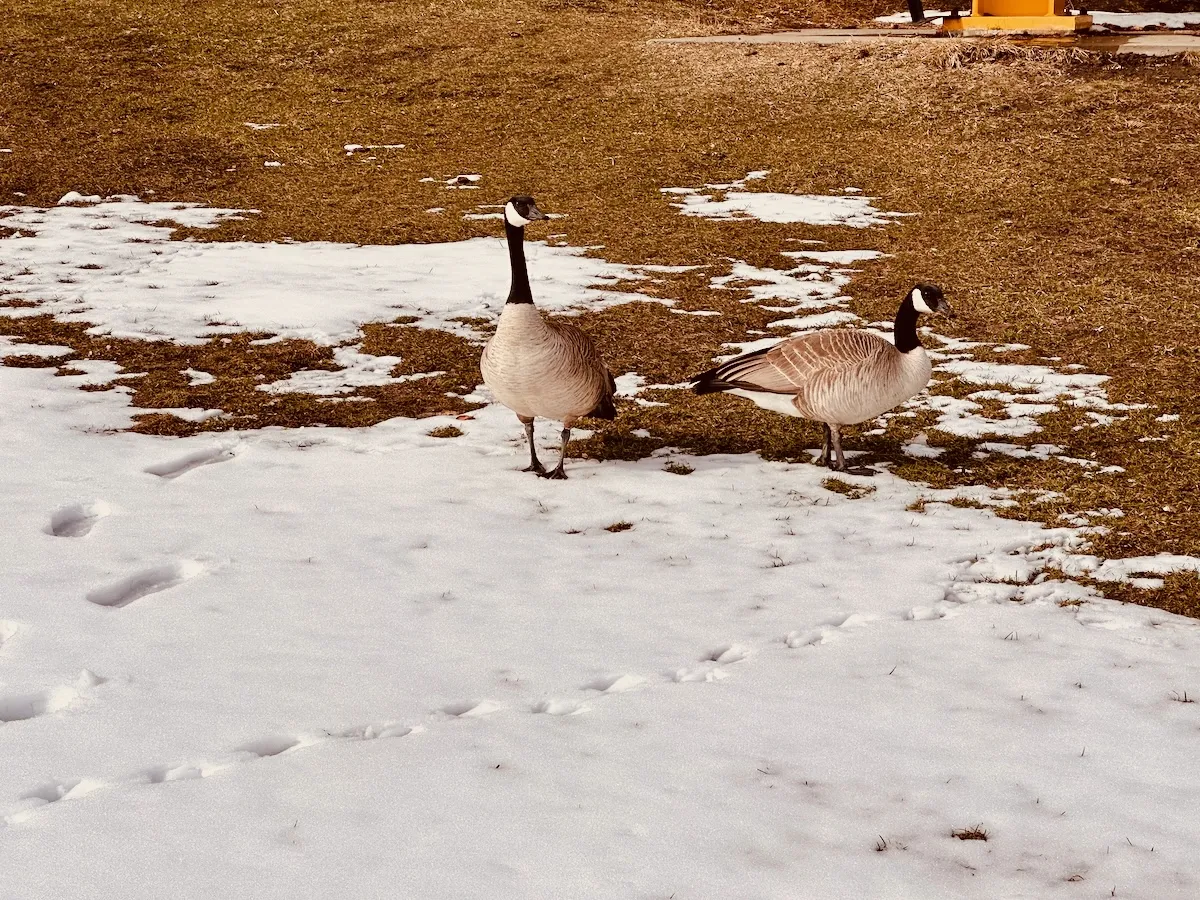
pixel 1007 154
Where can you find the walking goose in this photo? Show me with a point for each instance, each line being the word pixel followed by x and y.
pixel 537 367
pixel 837 376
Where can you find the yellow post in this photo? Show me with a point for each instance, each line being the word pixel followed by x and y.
pixel 1017 17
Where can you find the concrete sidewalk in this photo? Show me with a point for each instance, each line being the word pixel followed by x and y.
pixel 1154 44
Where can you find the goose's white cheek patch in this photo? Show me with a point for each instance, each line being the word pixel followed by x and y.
pixel 919 301
pixel 513 217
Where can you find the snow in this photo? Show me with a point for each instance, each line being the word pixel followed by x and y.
pixel 195 377
pixel 324 662
pixel 738 203
pixel 149 286
pixel 357 370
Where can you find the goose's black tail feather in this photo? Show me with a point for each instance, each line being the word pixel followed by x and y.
pixel 606 409
pixel 710 382
pixel 714 380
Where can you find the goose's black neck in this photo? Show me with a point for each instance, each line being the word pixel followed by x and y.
pixel 519 292
pixel 905 331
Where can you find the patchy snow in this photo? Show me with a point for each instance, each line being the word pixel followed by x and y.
pixel 195 377
pixel 262 126
pixel 1033 451
pixel 76 197
pixel 357 370
pixel 148 286
pixel 736 201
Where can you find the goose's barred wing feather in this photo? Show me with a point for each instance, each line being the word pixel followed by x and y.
pixel 787 367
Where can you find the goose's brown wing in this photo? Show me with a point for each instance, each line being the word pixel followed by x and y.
pixel 586 368
pixel 792 365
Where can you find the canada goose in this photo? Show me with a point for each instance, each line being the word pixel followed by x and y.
pixel 835 376
pixel 537 367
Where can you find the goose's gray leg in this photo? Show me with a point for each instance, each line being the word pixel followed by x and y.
pixel 823 459
pixel 836 437
pixel 841 466
pixel 558 473
pixel 535 464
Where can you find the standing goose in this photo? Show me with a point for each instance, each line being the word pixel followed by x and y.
pixel 837 376
pixel 537 367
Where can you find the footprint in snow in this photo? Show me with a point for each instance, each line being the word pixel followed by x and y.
pixel 376 732
pixel 148 581
pixel 269 746
pixel 468 709
pixel 51 792
pixel 614 684
pixel 559 707
pixel 711 667
pixel 163 774
pixel 181 465
pixel 29 706
pixel 924 614
pixel 826 630
pixel 729 653
pixel 77 519
pixel 707 672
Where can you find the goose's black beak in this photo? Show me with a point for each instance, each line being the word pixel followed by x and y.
pixel 535 214
pixel 944 309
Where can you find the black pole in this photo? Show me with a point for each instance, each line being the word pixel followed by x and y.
pixel 916 9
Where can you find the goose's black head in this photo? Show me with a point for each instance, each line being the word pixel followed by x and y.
pixel 519 211
pixel 928 298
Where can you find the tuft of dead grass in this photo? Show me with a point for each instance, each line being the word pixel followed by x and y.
pixel 847 490
pixel 975 833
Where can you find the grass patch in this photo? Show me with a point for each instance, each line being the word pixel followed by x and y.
pixel 446 431
pixel 678 468
pixel 616 527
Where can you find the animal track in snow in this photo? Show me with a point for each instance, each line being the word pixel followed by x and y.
pixel 825 630
pixel 614 684
pixel 7 631
pixel 77 519
pixel 729 653
pixel 708 672
pixel 148 581
pixel 181 465
pixel 471 708
pixel 924 614
pixel 263 748
pixel 559 707
pixel 712 665
pixel 270 746
pixel 30 706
